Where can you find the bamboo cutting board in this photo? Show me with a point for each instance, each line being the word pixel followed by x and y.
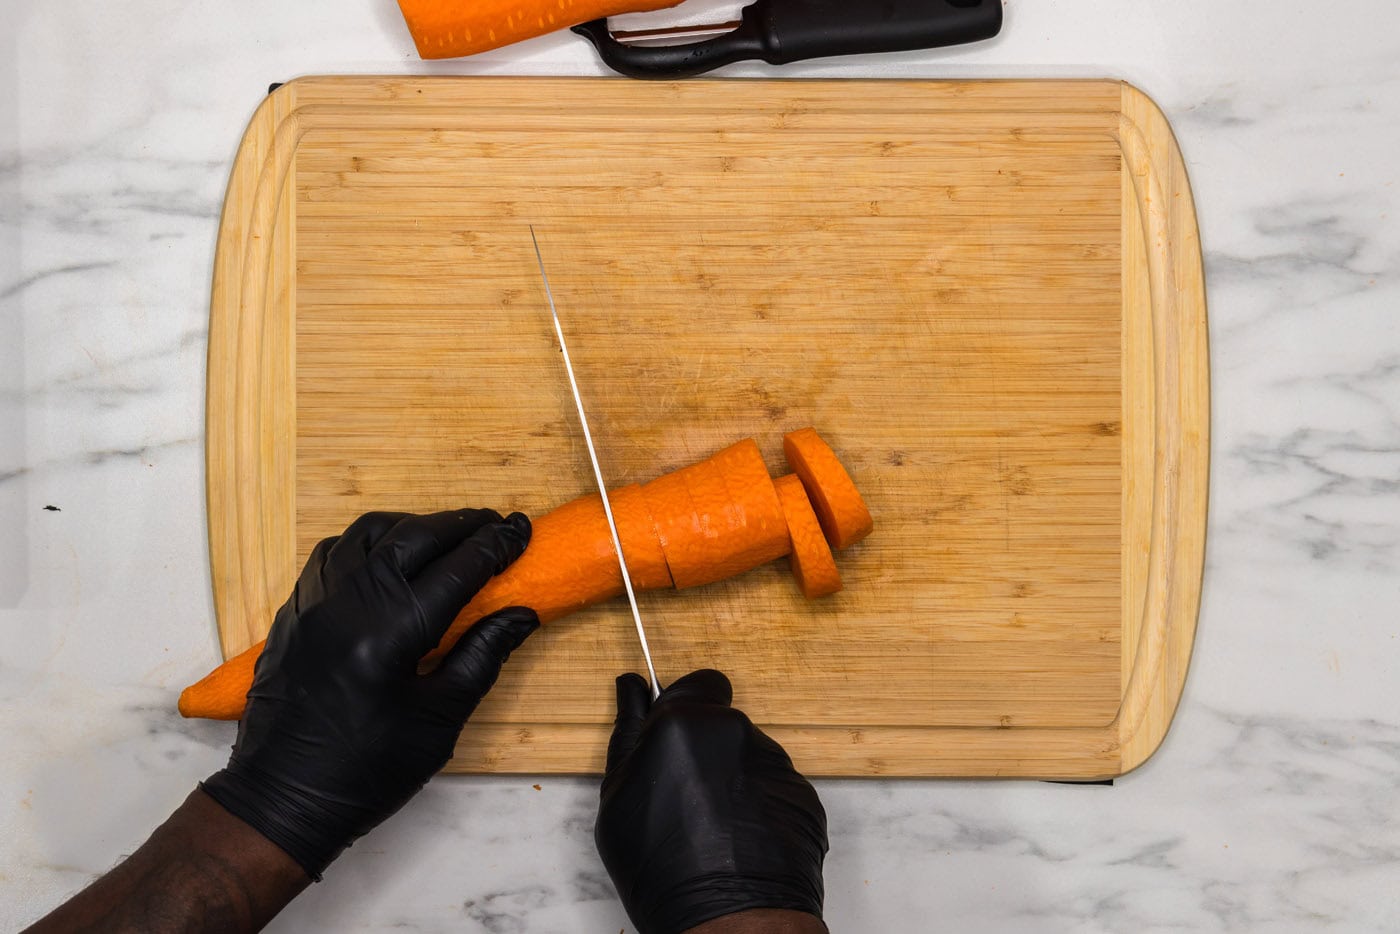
pixel 986 295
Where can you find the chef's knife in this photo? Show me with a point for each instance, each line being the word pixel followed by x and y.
pixel 597 472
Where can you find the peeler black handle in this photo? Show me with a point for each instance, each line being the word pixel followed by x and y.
pixel 782 31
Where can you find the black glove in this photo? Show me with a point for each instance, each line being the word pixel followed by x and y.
pixel 340 729
pixel 702 814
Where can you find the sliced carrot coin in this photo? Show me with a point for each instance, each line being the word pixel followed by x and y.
pixel 812 562
pixel 842 512
pixel 755 502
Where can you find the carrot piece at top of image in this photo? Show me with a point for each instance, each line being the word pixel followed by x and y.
pixel 450 28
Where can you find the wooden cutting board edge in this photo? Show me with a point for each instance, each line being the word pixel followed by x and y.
pixel 251 433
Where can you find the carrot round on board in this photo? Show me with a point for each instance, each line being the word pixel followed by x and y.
pixel 449 28
pixel 752 493
pixel 571 564
pixel 813 564
pixel 843 514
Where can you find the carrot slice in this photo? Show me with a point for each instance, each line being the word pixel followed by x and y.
pixel 677 525
pixel 755 502
pixel 842 512
pixel 812 562
pixel 449 28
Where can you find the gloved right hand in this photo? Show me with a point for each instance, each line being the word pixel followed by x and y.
pixel 703 814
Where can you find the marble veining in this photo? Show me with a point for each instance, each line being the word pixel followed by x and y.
pixel 1270 807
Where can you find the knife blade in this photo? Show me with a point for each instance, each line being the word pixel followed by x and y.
pixel 597 471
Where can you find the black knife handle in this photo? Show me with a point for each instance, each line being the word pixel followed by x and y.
pixel 792 30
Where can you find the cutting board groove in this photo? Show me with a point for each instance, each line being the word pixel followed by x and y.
pixel 987 295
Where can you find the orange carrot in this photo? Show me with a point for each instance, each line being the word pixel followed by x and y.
pixel 753 497
pixel 843 514
pixel 221 694
pixel 646 561
pixel 449 28
pixel 812 562
pixel 701 524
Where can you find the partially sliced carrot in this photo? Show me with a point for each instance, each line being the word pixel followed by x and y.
pixel 570 564
pixel 843 514
pixel 812 562
pixel 449 28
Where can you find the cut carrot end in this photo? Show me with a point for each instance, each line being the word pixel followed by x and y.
pixel 813 564
pixel 842 512
pixel 445 30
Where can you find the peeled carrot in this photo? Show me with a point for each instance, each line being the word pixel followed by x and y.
pixel 813 564
pixel 569 565
pixel 754 498
pixel 842 512
pixel 449 28
pixel 700 524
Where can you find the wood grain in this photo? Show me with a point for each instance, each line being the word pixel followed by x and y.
pixel 986 295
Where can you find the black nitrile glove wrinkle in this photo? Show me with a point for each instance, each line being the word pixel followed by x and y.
pixel 340 729
pixel 702 814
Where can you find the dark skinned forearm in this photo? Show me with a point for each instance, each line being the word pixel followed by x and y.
pixel 763 921
pixel 203 870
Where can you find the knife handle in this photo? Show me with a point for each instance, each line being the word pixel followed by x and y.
pixel 793 30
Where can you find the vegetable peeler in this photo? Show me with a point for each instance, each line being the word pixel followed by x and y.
pixel 783 31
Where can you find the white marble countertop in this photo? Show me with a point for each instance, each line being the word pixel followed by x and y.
pixel 1272 805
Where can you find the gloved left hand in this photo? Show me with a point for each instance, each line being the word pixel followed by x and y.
pixel 340 730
